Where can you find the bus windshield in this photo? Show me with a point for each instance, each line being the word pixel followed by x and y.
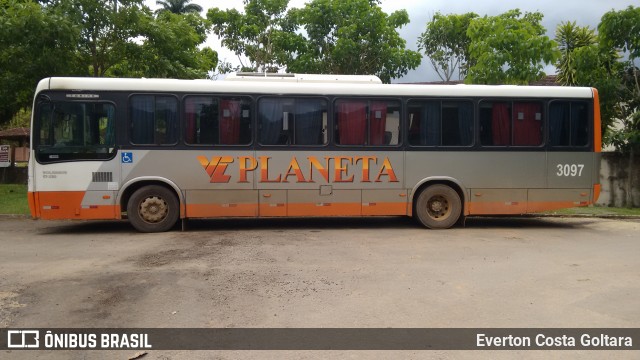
pixel 74 131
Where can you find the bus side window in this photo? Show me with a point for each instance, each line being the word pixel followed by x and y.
pixel 292 121
pixel 504 123
pixel 217 121
pixel 153 119
pixel 569 123
pixel 441 123
pixel 363 122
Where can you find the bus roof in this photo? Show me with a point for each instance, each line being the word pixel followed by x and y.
pixel 304 78
pixel 247 86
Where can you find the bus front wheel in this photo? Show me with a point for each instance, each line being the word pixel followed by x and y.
pixel 153 209
pixel 438 207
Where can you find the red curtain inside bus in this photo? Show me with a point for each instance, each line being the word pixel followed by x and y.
pixel 352 122
pixel 229 122
pixel 501 124
pixel 190 109
pixel 377 123
pixel 527 123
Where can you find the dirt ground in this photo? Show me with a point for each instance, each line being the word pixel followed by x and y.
pixel 319 273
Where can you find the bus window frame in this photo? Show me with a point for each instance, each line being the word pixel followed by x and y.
pixel 258 124
pixel 545 125
pixel 475 121
pixel 401 134
pixel 251 100
pixel 589 146
pixel 53 97
pixel 129 122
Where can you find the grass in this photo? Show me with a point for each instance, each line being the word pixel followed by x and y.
pixel 13 199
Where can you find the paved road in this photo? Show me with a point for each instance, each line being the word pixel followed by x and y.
pixel 496 272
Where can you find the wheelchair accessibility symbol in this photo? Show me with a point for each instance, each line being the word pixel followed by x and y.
pixel 127 158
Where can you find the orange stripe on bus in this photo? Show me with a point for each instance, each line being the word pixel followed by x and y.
pixel 324 209
pixel 597 121
pixel 221 210
pixel 273 210
pixel 503 208
pixel 294 209
pixel 385 208
pixel 68 205
pixel 496 207
pixel 31 198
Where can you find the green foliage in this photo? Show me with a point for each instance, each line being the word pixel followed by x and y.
pixel 598 68
pixel 169 49
pixel 35 42
pixel 446 43
pixel 106 34
pixel 623 139
pixel 21 119
pixel 570 38
pixel 263 33
pixel 96 38
pixel 583 62
pixel 620 30
pixel 178 6
pixel 510 48
pixel 352 37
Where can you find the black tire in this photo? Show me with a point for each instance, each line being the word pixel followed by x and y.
pixel 438 207
pixel 153 209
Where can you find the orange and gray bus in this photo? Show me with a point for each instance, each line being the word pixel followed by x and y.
pixel 156 151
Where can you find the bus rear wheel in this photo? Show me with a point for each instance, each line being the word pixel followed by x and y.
pixel 153 209
pixel 438 207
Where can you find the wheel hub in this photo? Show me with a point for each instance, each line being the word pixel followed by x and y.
pixel 438 207
pixel 153 209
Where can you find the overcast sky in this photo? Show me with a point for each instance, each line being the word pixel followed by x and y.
pixel 584 12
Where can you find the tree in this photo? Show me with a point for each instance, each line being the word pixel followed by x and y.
pixel 107 32
pixel 35 42
pixel 583 62
pixel 87 38
pixel 168 48
pixel 446 43
pixel 510 48
pixel 263 33
pixel 621 30
pixel 178 6
pixel 571 37
pixel 352 37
